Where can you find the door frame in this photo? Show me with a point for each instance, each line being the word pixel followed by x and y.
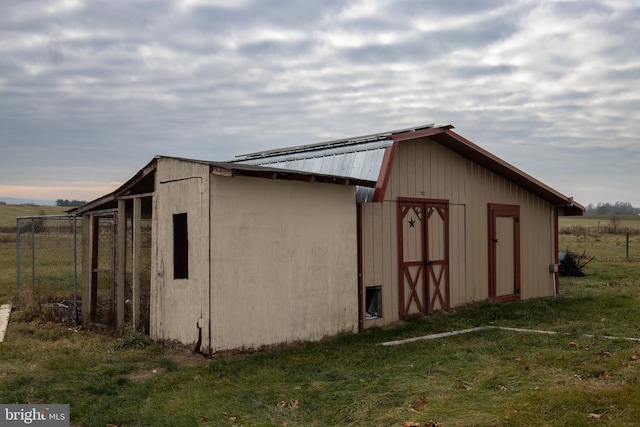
pixel 497 210
pixel 426 271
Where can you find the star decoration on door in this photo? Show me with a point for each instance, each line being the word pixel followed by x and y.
pixel 412 223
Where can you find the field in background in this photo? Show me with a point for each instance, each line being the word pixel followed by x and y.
pixel 594 235
pixel 9 213
pixel 632 221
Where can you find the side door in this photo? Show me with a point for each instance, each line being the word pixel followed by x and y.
pixel 504 252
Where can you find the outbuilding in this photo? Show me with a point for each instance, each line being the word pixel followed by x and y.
pixel 299 243
pixel 447 222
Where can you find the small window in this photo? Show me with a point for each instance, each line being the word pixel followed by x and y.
pixel 180 247
pixel 373 297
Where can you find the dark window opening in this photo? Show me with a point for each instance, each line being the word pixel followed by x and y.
pixel 373 297
pixel 180 247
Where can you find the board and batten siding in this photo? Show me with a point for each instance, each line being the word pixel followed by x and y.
pixel 283 261
pixel 425 169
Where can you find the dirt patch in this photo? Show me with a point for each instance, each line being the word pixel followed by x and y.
pixel 185 358
pixel 174 358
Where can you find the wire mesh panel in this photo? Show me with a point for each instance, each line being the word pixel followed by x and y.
pixel 49 264
pixel 104 268
pixel 145 273
pixel 48 258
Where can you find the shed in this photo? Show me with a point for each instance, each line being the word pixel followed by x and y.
pixel 447 222
pixel 241 256
pixel 267 249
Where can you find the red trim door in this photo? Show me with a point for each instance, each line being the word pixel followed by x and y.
pixel 504 252
pixel 423 254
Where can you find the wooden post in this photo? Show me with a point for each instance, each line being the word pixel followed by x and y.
pixel 136 225
pixel 121 263
pixel 87 263
pixel 627 245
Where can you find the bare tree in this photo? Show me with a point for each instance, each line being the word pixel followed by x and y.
pixel 615 223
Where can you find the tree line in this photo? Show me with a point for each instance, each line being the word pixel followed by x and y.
pixel 617 208
pixel 70 203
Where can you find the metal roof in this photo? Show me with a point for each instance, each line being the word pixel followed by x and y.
pixel 143 183
pixel 361 161
pixel 359 157
pixel 333 144
pixel 364 158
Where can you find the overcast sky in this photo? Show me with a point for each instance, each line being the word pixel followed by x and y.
pixel 91 91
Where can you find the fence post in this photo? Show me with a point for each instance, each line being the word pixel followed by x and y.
pixel 75 270
pixel 627 244
pixel 17 255
pixel 33 254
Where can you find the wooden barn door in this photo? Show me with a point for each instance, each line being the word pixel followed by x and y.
pixel 423 254
pixel 504 252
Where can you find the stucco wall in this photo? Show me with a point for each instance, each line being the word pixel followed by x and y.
pixel 283 261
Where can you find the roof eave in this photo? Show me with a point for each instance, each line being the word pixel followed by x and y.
pixel 481 156
pixel 126 189
pixel 453 141
pixel 238 169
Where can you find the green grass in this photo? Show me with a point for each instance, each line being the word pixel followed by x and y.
pixel 488 378
pixel 9 213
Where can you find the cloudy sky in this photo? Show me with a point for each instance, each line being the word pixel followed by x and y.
pixel 90 91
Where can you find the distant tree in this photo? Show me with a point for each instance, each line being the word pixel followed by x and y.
pixel 617 208
pixel 70 203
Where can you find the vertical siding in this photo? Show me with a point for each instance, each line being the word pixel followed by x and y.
pixel 380 256
pixel 425 169
pixel 458 255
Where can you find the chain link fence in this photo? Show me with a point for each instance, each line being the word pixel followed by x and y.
pixel 49 260
pixel 49 263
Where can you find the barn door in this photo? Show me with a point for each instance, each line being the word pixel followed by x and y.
pixel 423 254
pixel 504 252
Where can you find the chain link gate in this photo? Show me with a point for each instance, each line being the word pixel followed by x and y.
pixel 103 267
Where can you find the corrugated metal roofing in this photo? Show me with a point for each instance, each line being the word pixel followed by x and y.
pixel 362 158
pixel 362 161
pixel 334 144
pixel 358 157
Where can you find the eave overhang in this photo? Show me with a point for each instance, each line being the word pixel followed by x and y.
pixel 467 149
pixel 240 169
pixel 142 184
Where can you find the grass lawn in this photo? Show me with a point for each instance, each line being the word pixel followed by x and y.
pixel 488 378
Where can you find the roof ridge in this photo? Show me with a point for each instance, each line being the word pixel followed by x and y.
pixel 327 144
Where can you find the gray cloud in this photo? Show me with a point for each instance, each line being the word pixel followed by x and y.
pixel 89 92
